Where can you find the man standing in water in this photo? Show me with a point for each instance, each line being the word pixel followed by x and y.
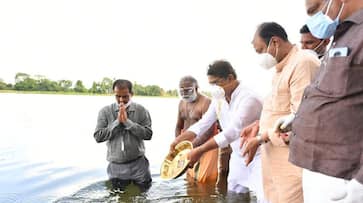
pixel 192 106
pixel 124 125
pixel 235 107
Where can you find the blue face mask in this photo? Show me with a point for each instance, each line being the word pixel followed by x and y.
pixel 322 26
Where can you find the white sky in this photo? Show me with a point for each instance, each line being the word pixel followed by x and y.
pixel 147 41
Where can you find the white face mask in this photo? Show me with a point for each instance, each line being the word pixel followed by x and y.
pixel 126 105
pixel 320 52
pixel 217 92
pixel 267 61
pixel 188 94
pixel 321 25
pixel 190 98
pixel 311 52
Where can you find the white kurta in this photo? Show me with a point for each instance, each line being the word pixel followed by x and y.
pixel 243 109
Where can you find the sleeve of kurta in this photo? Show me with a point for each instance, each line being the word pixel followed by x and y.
pixel 104 131
pixel 302 76
pixel 249 110
pixel 199 140
pixel 141 128
pixel 205 122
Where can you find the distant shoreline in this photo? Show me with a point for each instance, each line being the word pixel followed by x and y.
pixel 69 93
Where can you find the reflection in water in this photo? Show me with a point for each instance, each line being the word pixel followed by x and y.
pixel 178 190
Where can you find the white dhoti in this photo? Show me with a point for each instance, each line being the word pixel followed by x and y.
pixel 318 187
pixel 242 178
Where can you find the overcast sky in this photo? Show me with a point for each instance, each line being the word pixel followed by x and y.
pixel 146 41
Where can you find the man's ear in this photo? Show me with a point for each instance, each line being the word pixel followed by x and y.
pixel 230 77
pixel 274 40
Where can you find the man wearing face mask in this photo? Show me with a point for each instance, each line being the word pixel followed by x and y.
pixel 192 106
pixel 327 130
pixel 309 42
pixel 124 125
pixel 234 107
pixel 294 69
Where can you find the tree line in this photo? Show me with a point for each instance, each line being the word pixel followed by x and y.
pixel 26 82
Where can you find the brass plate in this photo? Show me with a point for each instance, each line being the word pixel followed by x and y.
pixel 176 162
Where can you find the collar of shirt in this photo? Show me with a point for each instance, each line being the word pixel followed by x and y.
pixel 343 27
pixel 286 60
pixel 236 91
pixel 356 17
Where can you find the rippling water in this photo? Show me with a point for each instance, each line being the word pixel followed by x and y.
pixel 48 154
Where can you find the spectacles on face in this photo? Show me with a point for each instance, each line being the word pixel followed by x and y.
pixel 186 90
pixel 218 81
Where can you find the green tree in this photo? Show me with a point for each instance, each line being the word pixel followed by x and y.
pixel 3 85
pixel 106 85
pixel 153 90
pixel 19 77
pixel 79 87
pixel 172 92
pixel 65 85
pixel 45 84
pixel 139 89
pixel 27 84
pixel 96 88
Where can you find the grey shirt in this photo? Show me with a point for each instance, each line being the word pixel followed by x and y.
pixel 125 141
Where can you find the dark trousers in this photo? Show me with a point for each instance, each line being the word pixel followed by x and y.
pixel 135 171
pixel 120 184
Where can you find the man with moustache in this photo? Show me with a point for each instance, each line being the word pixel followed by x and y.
pixel 124 125
pixel 309 42
pixel 234 106
pixel 191 108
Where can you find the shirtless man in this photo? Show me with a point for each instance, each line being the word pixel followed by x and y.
pixel 191 108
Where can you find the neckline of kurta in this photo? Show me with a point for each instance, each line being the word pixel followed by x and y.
pixel 286 60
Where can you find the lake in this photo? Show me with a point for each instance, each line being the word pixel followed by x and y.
pixel 48 153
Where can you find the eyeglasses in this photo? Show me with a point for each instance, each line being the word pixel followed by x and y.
pixel 186 90
pixel 218 81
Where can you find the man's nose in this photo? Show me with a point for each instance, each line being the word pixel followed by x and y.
pixel 119 99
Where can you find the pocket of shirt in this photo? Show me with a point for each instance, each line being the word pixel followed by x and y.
pixel 334 76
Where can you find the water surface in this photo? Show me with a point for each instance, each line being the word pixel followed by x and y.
pixel 48 154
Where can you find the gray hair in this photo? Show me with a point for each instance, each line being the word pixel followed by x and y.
pixel 189 78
